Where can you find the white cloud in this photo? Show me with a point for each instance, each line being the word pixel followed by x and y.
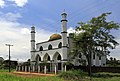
pixel 10 16
pixel 20 3
pixel 17 34
pixel 2 3
pixel 25 31
pixel 70 30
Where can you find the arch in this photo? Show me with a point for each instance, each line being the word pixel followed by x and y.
pixel 46 57
pixel 99 57
pixel 93 56
pixel 57 56
pixel 60 45
pixel 80 55
pixel 41 48
pixel 50 47
pixel 38 58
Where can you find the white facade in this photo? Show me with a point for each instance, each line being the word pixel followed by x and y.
pixel 55 52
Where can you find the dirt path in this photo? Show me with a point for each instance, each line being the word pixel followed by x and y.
pixel 28 74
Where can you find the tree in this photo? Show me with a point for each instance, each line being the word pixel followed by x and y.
pixel 113 62
pixel 94 37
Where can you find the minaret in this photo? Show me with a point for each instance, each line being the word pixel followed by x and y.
pixel 64 36
pixel 32 38
pixel 32 43
pixel 64 29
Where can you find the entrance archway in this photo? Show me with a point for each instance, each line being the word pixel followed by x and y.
pixel 57 59
pixel 37 63
pixel 46 61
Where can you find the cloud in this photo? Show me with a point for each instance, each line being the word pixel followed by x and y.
pixel 25 31
pixel 10 16
pixel 2 3
pixel 17 34
pixel 70 30
pixel 20 3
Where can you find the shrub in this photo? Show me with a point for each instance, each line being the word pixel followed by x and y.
pixel 73 75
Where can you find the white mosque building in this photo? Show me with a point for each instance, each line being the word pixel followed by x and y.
pixel 51 55
pixel 55 51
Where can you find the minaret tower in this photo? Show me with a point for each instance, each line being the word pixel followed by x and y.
pixel 64 29
pixel 32 42
pixel 64 35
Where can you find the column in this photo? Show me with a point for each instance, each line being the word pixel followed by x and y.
pixel 62 66
pixel 65 68
pixel 16 68
pixel 22 68
pixel 33 68
pixel 25 68
pixel 38 69
pixel 55 69
pixel 29 69
pixel 19 68
pixel 99 62
pixel 45 69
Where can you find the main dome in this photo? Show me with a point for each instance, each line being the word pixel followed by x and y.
pixel 55 37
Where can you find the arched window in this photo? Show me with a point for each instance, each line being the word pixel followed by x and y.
pixel 93 56
pixel 39 58
pixel 41 48
pixel 59 57
pixel 50 47
pixel 48 58
pixel 80 55
pixel 99 57
pixel 60 45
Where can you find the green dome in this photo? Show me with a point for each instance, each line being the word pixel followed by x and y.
pixel 55 37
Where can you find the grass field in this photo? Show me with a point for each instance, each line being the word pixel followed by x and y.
pixel 11 77
pixel 5 76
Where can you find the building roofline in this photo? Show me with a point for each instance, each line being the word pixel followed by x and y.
pixel 47 49
pixel 47 41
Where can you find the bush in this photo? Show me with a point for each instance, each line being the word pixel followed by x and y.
pixel 73 75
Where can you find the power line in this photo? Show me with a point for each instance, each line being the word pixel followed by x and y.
pixel 75 15
pixel 92 12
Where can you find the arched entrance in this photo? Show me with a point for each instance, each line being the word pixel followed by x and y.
pixel 46 62
pixel 57 59
pixel 37 63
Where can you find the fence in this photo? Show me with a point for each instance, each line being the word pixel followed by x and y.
pixel 96 69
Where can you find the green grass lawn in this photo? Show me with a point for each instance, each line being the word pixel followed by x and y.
pixel 10 77
pixel 5 76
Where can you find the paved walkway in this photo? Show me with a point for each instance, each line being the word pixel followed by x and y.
pixel 29 73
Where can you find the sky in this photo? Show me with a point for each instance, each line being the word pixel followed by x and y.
pixel 18 16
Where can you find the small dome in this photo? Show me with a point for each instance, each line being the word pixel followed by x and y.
pixel 55 37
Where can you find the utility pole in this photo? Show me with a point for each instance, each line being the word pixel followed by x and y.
pixel 9 54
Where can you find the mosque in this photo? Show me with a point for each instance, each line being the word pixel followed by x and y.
pixel 51 55
pixel 55 51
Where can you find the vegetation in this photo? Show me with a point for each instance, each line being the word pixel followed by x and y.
pixel 76 75
pixel 94 37
pixel 8 77
pixel 113 62
pixel 73 75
